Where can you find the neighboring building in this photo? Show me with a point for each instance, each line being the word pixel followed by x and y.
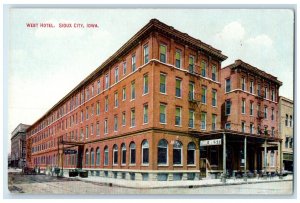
pixel 250 109
pixel 18 146
pixel 286 127
pixel 9 160
pixel 136 116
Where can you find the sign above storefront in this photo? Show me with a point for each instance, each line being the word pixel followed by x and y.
pixel 70 151
pixel 210 142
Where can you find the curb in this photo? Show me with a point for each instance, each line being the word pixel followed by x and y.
pixel 111 184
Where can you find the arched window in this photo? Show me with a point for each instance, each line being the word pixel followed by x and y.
pixel 105 156
pixel 177 152
pixel 191 149
pixel 86 157
pixel 123 148
pixel 162 152
pixel 98 156
pixel 291 121
pixel 115 154
pixel 145 152
pixel 132 153
pixel 92 157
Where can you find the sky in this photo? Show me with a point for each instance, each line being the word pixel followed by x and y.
pixel 46 63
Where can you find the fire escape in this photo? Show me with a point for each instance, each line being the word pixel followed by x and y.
pixel 260 113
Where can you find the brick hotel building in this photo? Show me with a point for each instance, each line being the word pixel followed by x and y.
pixel 142 114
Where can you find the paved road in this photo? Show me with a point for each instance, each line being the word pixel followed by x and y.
pixel 41 184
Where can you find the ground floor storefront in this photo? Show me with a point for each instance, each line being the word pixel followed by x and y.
pixel 164 156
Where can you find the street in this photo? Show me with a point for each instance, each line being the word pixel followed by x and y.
pixel 41 184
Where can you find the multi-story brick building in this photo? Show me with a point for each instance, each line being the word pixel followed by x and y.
pixel 286 124
pixel 137 116
pixel 250 110
pixel 18 146
pixel 155 110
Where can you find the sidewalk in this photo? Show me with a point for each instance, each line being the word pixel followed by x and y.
pixel 170 184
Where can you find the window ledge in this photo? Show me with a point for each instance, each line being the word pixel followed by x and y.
pixel 144 164
pixel 179 126
pixel 164 165
pixel 132 100
pixel 191 165
pixel 132 127
pixel 177 164
pixel 163 93
pixel 144 94
pixel 163 123
pixel 145 123
pixel 132 164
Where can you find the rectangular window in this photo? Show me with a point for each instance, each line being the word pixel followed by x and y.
pixel 132 118
pixel 92 90
pixel 132 90
pixel 251 108
pixel 191 64
pixel 191 119
pixel 97 129
pixel 146 54
pixel 227 126
pixel 272 114
pixel 116 99
pixel 178 116
pixel 266 112
pixel 273 95
pixel 146 113
pixel 251 87
pixel 163 53
pixel 124 93
pixel 243 81
pixel 228 85
pixel 92 129
pixel 87 132
pixel 251 128
pixel 258 90
pixel 162 86
pixel 123 118
pixel 98 87
pixel 146 84
pixel 87 113
pixel 98 108
pixel 243 106
pixel 178 87
pixel 203 121
pixel 214 122
pixel 191 91
pixel 203 95
pixel 266 96
pixel 162 113
pixel 243 127
pixel 92 110
pixel 105 126
pixel 124 68
pixel 106 81
pixel 116 123
pixel 178 59
pixel 133 61
pixel 227 107
pixel 116 75
pixel 106 104
pixel 214 98
pixel 203 68
pixel 214 73
pixel 272 131
pixel 287 142
pixel 86 95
